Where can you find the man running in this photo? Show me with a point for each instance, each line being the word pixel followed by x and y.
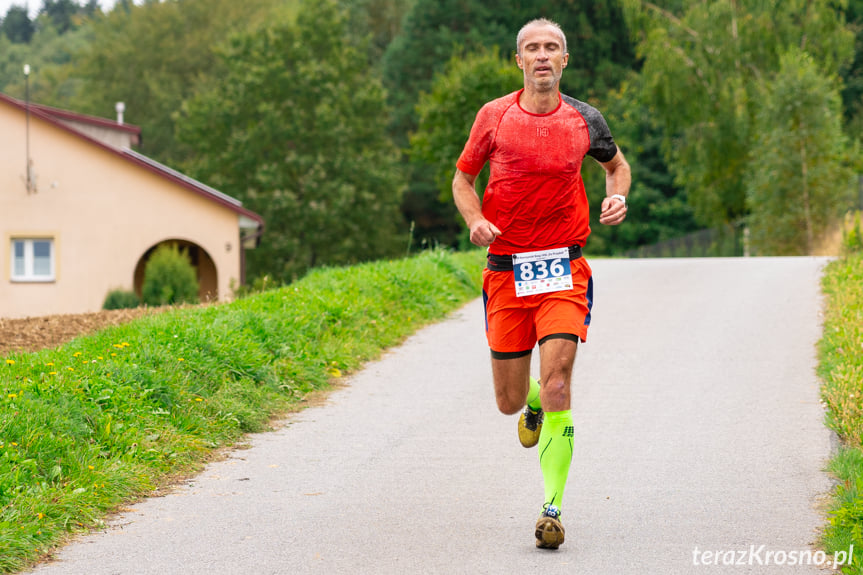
pixel 534 220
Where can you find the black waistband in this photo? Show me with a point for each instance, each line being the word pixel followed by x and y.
pixel 498 263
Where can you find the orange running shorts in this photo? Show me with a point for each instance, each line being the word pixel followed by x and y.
pixel 514 324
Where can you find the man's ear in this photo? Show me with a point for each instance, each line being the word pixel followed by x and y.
pixel 519 62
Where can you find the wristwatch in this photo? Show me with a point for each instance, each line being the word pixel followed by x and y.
pixel 619 197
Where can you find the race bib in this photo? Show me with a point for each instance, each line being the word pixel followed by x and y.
pixel 541 272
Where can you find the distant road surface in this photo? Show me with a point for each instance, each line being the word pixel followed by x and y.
pixel 699 439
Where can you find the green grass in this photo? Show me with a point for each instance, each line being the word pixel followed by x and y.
pixel 110 417
pixel 841 369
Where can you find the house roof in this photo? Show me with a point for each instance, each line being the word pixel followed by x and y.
pixel 85 119
pixel 248 219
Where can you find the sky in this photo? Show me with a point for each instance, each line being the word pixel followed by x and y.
pixel 34 5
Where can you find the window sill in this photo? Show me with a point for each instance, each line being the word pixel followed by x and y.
pixel 33 280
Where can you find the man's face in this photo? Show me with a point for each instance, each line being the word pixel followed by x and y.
pixel 542 58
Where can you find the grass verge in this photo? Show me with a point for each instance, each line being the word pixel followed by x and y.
pixel 841 370
pixel 110 417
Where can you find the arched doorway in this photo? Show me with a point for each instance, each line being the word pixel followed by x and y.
pixel 208 280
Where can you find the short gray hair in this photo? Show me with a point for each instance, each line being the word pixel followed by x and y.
pixel 538 22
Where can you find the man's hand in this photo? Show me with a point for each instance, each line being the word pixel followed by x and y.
pixel 483 232
pixel 613 211
pixel 618 178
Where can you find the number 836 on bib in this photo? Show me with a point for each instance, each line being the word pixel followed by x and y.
pixel 541 272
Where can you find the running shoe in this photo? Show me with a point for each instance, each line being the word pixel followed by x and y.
pixel 529 426
pixel 549 529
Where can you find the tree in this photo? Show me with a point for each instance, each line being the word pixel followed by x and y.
pixel 446 114
pixel 702 71
pixel 17 25
pixel 91 9
pixel 152 57
pixel 50 57
pixel 799 180
pixel 62 13
pixel 378 21
pixel 296 129
pixel 435 30
pixel 852 94
pixel 657 208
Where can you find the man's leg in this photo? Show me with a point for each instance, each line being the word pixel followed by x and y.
pixel 530 420
pixel 556 359
pixel 557 356
pixel 514 388
pixel 511 380
pixel 533 401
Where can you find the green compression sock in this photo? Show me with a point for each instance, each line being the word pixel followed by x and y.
pixel 533 395
pixel 555 454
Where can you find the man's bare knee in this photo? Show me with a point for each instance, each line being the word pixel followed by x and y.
pixel 509 406
pixel 556 387
pixel 555 395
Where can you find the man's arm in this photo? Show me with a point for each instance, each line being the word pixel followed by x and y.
pixel 482 231
pixel 618 178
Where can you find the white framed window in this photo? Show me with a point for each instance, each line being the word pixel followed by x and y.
pixel 33 260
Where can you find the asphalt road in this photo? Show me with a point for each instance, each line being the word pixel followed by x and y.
pixel 699 440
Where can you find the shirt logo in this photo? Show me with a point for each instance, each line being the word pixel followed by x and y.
pixel 542 132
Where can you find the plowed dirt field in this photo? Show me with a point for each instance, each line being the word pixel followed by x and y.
pixel 35 333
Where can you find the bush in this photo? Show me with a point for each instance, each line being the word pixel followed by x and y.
pixel 169 278
pixel 121 299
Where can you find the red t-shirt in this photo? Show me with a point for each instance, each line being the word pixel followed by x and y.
pixel 535 194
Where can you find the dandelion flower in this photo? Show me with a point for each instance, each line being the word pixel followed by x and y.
pixel 76 354
pixel 10 362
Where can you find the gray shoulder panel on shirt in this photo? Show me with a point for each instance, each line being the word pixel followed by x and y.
pixel 602 146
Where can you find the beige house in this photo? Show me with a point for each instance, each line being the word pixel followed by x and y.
pixel 80 213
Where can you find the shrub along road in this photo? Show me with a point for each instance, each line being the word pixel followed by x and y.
pixel 698 431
